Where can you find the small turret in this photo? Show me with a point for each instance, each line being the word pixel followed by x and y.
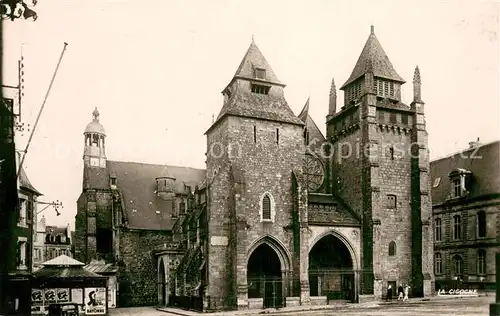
pixel 165 184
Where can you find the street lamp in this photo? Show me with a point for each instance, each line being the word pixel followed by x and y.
pixel 57 204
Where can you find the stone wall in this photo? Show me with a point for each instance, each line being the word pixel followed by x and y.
pixel 138 275
pixel 392 176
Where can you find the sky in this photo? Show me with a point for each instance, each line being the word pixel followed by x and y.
pixel 155 70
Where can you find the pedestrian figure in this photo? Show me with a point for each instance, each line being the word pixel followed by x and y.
pixel 400 292
pixel 407 288
pixel 389 292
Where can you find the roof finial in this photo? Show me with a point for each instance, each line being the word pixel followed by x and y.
pixel 213 118
pixel 96 114
pixel 372 29
pixel 253 39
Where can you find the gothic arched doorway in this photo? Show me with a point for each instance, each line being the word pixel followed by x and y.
pixel 264 276
pixel 331 271
pixel 162 284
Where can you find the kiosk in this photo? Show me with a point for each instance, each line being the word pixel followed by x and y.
pixel 65 280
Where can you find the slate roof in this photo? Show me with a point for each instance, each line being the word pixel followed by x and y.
pixel 25 183
pixel 261 106
pixel 101 267
pixel 54 230
pixel 485 171
pixel 255 59
pixel 137 184
pixel 373 58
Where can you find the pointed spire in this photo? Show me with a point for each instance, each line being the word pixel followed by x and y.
pixel 373 59
pixel 417 86
pixel 254 60
pixel 416 76
pixel 332 108
pixel 305 111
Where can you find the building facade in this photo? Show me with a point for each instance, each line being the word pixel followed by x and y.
pixel 282 215
pixel 50 242
pixel 8 201
pixel 466 217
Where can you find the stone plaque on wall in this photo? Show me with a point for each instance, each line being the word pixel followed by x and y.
pixel 219 241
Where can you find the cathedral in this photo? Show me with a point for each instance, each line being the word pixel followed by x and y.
pixel 282 215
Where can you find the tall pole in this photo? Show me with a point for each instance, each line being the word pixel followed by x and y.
pixel 41 109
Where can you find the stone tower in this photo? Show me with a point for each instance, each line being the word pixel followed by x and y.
pixel 252 148
pixel 380 167
pixel 94 218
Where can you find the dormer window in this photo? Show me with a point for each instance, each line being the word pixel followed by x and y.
pixel 260 89
pixel 260 73
pixel 457 188
pixel 113 181
pixel 459 183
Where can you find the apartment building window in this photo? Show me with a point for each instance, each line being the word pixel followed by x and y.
pixel 438 229
pixel 481 224
pixel 21 206
pixel 457 188
pixel 438 263
pixel 481 261
pixel 457 265
pixel 457 227
pixel 29 210
pixel 21 253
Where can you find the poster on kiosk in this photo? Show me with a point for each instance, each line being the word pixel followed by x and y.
pixel 91 301
pixel 95 301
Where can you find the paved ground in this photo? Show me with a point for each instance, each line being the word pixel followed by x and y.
pixel 475 306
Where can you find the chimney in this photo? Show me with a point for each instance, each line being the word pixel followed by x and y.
pixel 474 144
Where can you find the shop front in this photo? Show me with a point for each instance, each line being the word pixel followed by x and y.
pixel 65 280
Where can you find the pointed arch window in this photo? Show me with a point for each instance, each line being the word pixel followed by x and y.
pixel 267 208
pixel 392 249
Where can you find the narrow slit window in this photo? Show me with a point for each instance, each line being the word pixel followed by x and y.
pixel 391 153
pixel 277 136
pixel 266 208
pixel 254 134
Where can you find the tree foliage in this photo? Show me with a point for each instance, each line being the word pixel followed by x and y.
pixel 17 9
